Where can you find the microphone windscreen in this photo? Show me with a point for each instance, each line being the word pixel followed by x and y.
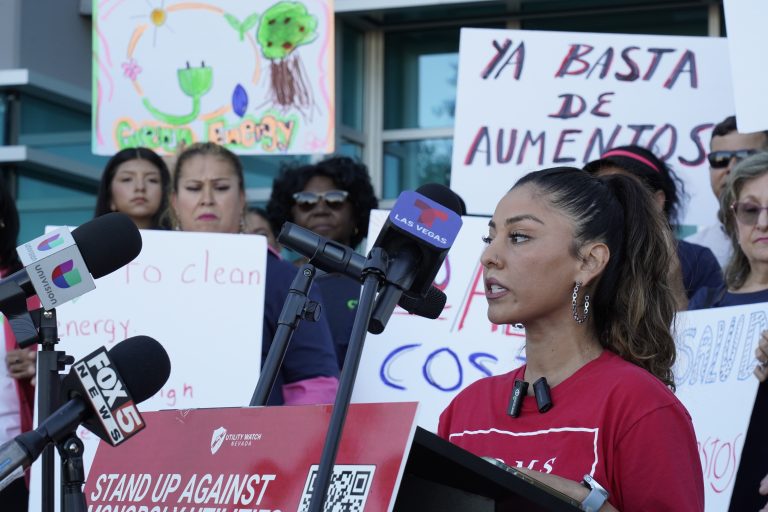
pixel 443 195
pixel 143 364
pixel 107 243
pixel 429 306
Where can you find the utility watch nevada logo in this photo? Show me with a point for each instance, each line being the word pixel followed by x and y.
pixel 237 440
pixel 217 439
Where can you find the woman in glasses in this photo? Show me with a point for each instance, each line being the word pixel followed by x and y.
pixel 333 198
pixel 136 182
pixel 209 195
pixel 744 204
pixel 696 263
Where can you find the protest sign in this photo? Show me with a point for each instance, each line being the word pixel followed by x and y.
pixel 528 100
pixel 191 292
pixel 256 77
pixel 254 460
pixel 713 373
pixel 745 21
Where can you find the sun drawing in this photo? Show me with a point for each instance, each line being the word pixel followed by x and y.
pixel 158 16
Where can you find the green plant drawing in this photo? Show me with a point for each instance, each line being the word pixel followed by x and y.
pixel 195 83
pixel 247 24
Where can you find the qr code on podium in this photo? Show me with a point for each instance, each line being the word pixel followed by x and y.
pixel 347 491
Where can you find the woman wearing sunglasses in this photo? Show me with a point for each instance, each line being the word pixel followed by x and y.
pixel 744 203
pixel 333 198
pixel 209 196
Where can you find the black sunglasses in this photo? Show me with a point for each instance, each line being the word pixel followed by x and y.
pixel 720 159
pixel 308 200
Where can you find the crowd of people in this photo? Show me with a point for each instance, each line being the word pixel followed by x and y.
pixel 585 258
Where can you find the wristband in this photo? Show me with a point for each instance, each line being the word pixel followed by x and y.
pixel 597 495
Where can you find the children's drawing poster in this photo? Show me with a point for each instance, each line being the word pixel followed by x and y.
pixel 256 77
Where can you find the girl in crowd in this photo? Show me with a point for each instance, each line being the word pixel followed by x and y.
pixel 582 262
pixel 333 198
pixel 136 182
pixel 698 264
pixel 17 366
pixel 257 223
pixel 744 206
pixel 209 195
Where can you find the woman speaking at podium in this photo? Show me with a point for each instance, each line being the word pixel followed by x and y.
pixel 582 263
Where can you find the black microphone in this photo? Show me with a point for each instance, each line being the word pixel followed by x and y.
pixel 54 261
pixel 416 237
pixel 144 367
pixel 106 243
pixel 331 256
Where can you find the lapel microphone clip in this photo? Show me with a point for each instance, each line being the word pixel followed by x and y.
pixel 543 395
pixel 519 391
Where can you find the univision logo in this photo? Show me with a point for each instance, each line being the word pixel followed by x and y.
pixel 50 243
pixel 65 275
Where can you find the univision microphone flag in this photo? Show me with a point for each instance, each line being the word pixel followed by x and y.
pixel 55 267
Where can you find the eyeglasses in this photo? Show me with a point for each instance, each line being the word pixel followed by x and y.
pixel 333 198
pixel 720 159
pixel 747 213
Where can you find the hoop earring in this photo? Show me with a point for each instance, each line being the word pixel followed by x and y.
pixel 574 305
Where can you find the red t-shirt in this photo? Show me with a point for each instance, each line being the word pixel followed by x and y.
pixel 611 419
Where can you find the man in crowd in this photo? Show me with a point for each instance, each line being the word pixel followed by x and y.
pixel 727 147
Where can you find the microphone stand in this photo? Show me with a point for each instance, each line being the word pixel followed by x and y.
pixel 296 307
pixel 41 327
pixel 49 363
pixel 374 274
pixel 72 474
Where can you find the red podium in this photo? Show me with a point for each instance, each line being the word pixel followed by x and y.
pixel 265 459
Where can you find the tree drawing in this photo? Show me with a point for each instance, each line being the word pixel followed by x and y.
pixel 283 28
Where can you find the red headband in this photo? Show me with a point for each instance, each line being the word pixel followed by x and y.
pixel 629 154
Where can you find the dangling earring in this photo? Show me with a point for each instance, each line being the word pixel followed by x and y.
pixel 574 306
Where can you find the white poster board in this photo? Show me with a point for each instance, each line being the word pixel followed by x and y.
pixel 430 361
pixel 192 292
pixel 713 373
pixel 527 100
pixel 256 77
pixel 745 21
